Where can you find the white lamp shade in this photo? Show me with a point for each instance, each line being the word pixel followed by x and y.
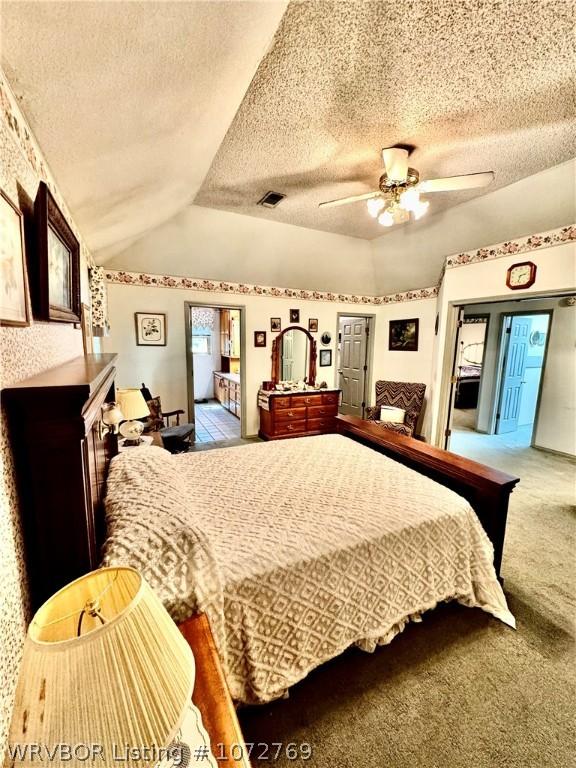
pixel 132 404
pixel 127 681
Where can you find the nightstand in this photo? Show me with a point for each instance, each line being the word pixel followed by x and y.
pixel 212 697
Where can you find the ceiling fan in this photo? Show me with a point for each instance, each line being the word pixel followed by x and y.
pixel 400 188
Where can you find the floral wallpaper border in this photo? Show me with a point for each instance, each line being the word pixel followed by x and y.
pixel 218 286
pixel 523 245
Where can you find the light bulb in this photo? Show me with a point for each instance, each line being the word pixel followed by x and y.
pixel 375 205
pixel 421 209
pixel 410 199
pixel 386 219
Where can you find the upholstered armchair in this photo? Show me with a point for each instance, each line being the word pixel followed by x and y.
pixel 399 394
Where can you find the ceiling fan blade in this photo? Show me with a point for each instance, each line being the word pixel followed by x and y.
pixel 454 183
pixel 346 200
pixel 395 163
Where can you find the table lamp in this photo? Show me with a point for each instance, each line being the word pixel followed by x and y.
pixel 105 669
pixel 133 406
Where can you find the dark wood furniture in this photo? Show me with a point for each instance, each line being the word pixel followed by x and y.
pixel 212 697
pixel 61 457
pixel 277 355
pixel 487 490
pixel 301 414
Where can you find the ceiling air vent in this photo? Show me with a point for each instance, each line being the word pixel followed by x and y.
pixel 271 199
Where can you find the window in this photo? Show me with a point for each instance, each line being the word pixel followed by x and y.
pixel 201 344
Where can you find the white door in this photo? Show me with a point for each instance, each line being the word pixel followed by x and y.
pixel 353 334
pixel 514 367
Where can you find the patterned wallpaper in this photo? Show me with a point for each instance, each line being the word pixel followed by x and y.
pixel 23 352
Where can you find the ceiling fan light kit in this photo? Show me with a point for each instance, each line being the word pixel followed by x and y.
pixel 400 189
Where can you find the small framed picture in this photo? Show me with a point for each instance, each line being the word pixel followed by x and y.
pixel 403 335
pixel 325 357
pixel 313 325
pixel 259 338
pixel 58 291
pixel 150 329
pixel 275 324
pixel 14 308
pixel 294 315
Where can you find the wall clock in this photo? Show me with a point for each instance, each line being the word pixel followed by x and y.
pixel 521 275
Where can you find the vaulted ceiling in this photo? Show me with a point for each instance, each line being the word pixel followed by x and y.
pixel 145 108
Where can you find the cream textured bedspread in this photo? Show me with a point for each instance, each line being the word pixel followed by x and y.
pixel 295 549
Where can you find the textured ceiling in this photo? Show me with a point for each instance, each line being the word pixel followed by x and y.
pixel 131 100
pixel 474 85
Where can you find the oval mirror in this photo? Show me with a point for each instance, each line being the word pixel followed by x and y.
pixel 326 338
pixel 294 356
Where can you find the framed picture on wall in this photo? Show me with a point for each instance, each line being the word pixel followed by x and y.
pixel 259 338
pixel 57 290
pixel 275 324
pixel 14 307
pixel 294 315
pixel 150 329
pixel 313 324
pixel 403 335
pixel 325 357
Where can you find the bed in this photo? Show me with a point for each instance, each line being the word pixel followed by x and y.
pixel 337 580
pixel 292 558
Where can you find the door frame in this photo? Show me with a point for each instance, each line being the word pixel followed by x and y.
pixel 371 317
pixel 441 434
pixel 190 358
pixel 499 373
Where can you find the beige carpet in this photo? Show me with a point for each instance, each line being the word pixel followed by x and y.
pixel 460 690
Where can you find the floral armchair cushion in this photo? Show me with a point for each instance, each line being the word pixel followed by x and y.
pixel 400 394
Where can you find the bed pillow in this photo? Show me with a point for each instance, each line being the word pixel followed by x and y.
pixel 392 415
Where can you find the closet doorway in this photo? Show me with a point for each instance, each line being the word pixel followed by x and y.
pixel 215 352
pixel 353 360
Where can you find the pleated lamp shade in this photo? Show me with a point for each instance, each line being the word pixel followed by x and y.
pixel 124 682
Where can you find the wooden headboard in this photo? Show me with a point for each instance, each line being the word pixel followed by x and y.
pixel 61 459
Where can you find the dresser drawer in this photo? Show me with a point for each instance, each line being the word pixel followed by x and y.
pixel 321 425
pixel 290 427
pixel 318 411
pixel 331 398
pixel 314 399
pixel 290 414
pixel 279 402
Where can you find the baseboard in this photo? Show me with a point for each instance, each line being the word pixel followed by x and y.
pixel 555 453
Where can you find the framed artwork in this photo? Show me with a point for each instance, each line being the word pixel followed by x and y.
pixel 403 335
pixel 275 324
pixel 86 325
pixel 259 338
pixel 14 307
pixel 326 338
pixel 313 325
pixel 150 329
pixel 294 315
pixel 325 357
pixel 58 289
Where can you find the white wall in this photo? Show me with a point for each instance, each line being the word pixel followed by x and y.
pixel 407 366
pixel 537 203
pixel 164 368
pixel 485 281
pixel 556 426
pixel 218 245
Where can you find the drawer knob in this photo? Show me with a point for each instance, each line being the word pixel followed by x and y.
pixel 290 426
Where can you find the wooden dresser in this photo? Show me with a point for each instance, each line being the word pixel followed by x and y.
pixel 298 414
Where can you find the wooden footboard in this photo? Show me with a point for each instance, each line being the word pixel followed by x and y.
pixel 487 490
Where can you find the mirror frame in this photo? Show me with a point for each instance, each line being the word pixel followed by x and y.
pixel 277 349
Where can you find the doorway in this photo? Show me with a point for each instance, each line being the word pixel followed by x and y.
pixel 497 379
pixel 214 354
pixel 354 355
